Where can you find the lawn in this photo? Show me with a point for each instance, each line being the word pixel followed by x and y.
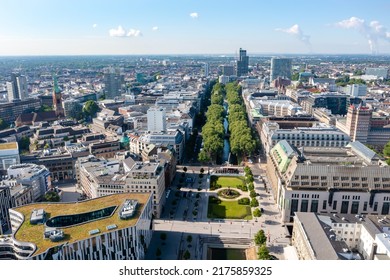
pixel 228 181
pixel 218 209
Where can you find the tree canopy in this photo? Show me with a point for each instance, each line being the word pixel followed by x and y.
pixel 3 124
pixel 90 108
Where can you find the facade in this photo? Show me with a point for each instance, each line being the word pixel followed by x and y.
pixel 316 136
pixel 114 227
pixel 356 90
pixel 358 123
pixel 100 178
pixel 113 81
pixel 280 67
pixel 380 72
pixel 156 119
pixel 11 110
pixel 106 149
pixel 346 237
pixel 345 180
pixel 9 154
pixel 5 205
pixel 34 176
pixel 72 108
pixel 17 88
pixel 227 70
pixel 336 103
pixel 206 69
pixel 242 63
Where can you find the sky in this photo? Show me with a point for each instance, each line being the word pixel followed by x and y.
pixel 126 27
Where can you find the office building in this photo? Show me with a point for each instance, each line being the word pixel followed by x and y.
pixel 227 70
pixel 157 119
pixel 242 63
pixel 345 180
pixel 336 103
pixel 57 98
pixel 5 205
pixel 380 72
pixel 319 135
pixel 113 81
pixel 72 108
pixel 9 154
pixel 356 90
pixel 11 110
pixel 281 67
pixel 30 175
pixel 17 88
pixel 206 70
pixel 98 177
pixel 358 123
pixel 113 227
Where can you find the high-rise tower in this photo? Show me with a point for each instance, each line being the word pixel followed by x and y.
pixel 57 98
pixel 280 67
pixel 242 63
pixel 358 123
pixel 113 81
pixel 17 87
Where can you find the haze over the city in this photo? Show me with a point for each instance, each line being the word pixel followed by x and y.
pixel 193 27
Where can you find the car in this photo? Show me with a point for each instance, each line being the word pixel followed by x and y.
pixel 272 257
pixel 261 210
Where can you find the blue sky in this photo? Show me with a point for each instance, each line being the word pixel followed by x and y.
pixel 51 27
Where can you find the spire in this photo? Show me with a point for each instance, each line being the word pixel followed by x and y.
pixel 56 88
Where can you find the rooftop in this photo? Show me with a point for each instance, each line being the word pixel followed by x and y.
pixel 34 233
pixel 9 146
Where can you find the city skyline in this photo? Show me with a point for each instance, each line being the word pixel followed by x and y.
pixel 174 27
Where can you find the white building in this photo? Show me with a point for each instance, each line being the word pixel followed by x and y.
pixel 356 90
pixel 345 180
pixel 380 72
pixel 9 154
pixel 99 178
pixel 31 175
pixel 157 119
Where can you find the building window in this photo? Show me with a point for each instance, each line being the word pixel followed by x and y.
pixel 314 206
pixel 304 205
pixel 355 207
pixel 375 206
pixel 365 206
pixel 344 207
pixel 324 204
pixel 385 208
pixel 334 204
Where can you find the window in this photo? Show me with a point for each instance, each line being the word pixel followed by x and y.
pixel 355 207
pixel 365 206
pixel 314 206
pixel 336 178
pixel 335 205
pixel 376 179
pixel 385 208
pixel 375 206
pixel 344 207
pixel 304 205
pixel 324 204
pixel 344 178
pixel 294 206
pixel 324 178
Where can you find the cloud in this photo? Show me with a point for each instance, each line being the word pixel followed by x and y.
pixel 297 32
pixel 194 15
pixel 118 32
pixel 121 32
pixel 373 31
pixel 94 25
pixel 155 28
pixel 134 33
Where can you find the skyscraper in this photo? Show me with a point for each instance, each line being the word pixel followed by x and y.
pixel 242 63
pixel 206 69
pixel 17 87
pixel 57 98
pixel 358 123
pixel 156 119
pixel 113 81
pixel 280 67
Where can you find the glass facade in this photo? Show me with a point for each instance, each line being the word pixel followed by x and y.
pixel 71 220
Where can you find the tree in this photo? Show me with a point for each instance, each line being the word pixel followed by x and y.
pixel 203 156
pixel 256 212
pixel 24 144
pixel 260 238
pixel 3 124
pixel 201 170
pixel 45 108
pixel 189 238
pixel 386 150
pixel 52 196
pixel 254 202
pixel 90 108
pixel 185 169
pixel 263 253
pixel 186 255
pixel 252 194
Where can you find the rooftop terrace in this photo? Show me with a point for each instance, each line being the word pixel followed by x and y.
pixel 34 233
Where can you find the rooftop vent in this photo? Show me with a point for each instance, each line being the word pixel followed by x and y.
pixel 94 231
